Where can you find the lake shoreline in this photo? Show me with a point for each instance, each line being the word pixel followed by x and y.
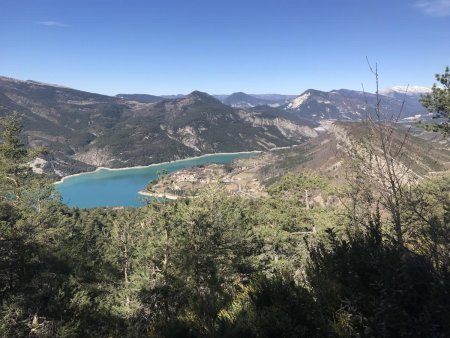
pixel 154 164
pixel 166 196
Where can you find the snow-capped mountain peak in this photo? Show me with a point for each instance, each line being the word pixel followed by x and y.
pixel 408 90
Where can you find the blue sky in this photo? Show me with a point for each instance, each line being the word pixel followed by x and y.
pixel 218 46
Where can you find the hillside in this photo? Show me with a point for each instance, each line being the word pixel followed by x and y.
pixel 350 105
pixel 83 130
pixel 324 154
pixel 327 152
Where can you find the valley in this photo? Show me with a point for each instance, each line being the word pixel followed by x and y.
pixel 82 131
pixel 225 169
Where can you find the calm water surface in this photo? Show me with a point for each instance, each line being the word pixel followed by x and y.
pixel 120 187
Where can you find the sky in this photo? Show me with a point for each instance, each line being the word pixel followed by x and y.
pixel 224 46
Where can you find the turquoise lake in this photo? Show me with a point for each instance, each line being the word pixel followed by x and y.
pixel 110 188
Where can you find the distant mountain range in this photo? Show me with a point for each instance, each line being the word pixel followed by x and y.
pixel 85 130
pixel 314 105
pixel 405 90
pixel 235 100
pixel 243 100
pixel 350 105
pixel 411 94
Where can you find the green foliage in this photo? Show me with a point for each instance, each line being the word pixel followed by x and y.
pixel 300 202
pixel 398 294
pixel 439 100
pixel 209 240
pixel 271 307
pixel 428 209
pixel 219 266
pixel 26 213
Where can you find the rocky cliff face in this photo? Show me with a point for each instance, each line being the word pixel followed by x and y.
pixel 95 157
pixel 286 127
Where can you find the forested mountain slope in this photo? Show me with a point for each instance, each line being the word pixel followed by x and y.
pixel 83 130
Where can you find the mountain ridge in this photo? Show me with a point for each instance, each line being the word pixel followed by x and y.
pixel 85 130
pixel 350 105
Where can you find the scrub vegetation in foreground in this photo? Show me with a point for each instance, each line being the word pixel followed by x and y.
pixel 367 258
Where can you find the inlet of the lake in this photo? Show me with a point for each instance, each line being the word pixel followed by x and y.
pixel 111 188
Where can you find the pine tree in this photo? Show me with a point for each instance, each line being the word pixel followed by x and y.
pixel 23 224
pixel 438 101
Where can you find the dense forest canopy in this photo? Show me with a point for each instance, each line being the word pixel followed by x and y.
pixel 370 257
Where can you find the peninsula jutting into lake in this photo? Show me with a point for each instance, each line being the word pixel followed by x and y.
pixel 120 187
